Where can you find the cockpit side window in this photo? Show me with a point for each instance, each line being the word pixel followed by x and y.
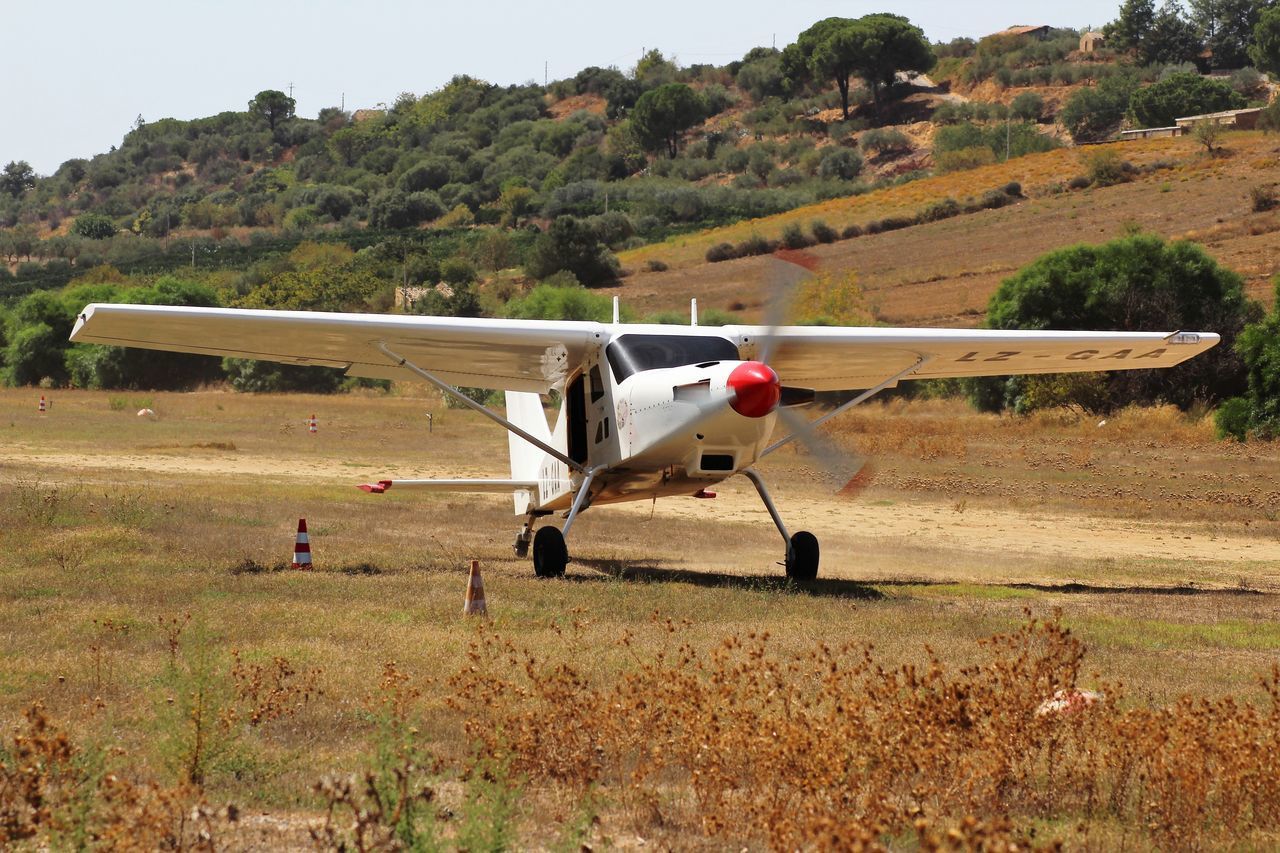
pixel 631 354
pixel 597 383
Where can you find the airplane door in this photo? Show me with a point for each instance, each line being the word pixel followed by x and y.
pixel 576 400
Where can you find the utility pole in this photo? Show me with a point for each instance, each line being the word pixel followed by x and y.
pixel 546 66
pixel 290 88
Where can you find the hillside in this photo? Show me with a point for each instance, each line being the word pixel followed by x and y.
pixel 933 173
pixel 942 273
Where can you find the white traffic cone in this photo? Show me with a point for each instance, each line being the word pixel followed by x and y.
pixel 312 425
pixel 473 604
pixel 302 547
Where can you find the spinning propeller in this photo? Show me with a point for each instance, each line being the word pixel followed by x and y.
pixel 788 269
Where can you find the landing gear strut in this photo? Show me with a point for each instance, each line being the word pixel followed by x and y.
pixel 802 548
pixel 550 554
pixel 523 538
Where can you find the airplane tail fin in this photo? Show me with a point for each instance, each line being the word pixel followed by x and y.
pixel 524 409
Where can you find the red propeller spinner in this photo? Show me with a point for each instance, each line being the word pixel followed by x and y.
pixel 756 390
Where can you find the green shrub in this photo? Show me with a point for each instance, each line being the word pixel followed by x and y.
pixel 1105 167
pixel 1232 419
pixel 886 142
pixel 794 238
pixel 944 209
pixel 851 231
pixel 963 159
pixel 822 232
pixel 721 252
pixel 1262 198
pixel 840 163
pixel 1137 283
pixel 1028 106
pixel 755 245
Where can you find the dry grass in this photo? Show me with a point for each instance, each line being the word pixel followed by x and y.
pixel 124 610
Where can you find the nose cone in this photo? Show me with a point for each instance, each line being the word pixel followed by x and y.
pixel 755 388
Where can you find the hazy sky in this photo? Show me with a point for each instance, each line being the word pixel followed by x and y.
pixel 76 74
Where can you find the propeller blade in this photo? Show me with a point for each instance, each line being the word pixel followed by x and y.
pixel 853 473
pixel 786 270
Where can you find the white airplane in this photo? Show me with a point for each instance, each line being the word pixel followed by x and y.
pixel 647 411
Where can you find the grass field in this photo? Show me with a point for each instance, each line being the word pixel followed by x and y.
pixel 145 601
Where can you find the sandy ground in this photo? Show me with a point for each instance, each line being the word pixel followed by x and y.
pixel 997 542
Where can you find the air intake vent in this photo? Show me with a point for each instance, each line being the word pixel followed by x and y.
pixel 717 462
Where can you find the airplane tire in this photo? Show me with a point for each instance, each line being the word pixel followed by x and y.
pixel 550 555
pixel 802 557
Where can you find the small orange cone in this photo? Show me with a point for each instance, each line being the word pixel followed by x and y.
pixel 312 426
pixel 302 547
pixel 473 605
pixel 44 407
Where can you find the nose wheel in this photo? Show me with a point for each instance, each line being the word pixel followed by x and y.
pixel 802 548
pixel 550 555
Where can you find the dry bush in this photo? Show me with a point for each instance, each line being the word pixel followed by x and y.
pixel 267 692
pixel 829 747
pixel 54 794
pixel 390 805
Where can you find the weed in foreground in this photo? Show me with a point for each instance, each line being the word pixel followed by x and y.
pixel 829 747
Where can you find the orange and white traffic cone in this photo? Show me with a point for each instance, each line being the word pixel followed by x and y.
pixel 312 425
pixel 302 547
pixel 44 407
pixel 473 604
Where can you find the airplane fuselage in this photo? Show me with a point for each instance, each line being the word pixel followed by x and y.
pixel 660 432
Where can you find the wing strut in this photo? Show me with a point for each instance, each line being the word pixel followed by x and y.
pixel 861 398
pixel 484 410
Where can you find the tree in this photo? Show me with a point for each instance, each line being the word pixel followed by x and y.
pixel 875 47
pixel 1265 50
pixel 1258 411
pixel 1027 106
pixel 1178 95
pixel 1227 28
pixel 572 245
pixel 561 302
pixel 1172 39
pixel 273 105
pixel 663 114
pixel 18 177
pixel 1093 112
pixel 1134 284
pixel 1130 29
pixel 94 226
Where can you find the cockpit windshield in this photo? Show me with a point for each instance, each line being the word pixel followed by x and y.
pixel 629 354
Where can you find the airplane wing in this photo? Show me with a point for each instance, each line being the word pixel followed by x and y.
pixel 841 359
pixel 535 355
pixel 512 355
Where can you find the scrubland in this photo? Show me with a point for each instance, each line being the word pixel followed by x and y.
pixel 165 679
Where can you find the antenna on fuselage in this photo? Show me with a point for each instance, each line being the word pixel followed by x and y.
pixel 693 311
pixel 615 310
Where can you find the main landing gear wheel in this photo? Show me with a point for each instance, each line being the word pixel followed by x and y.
pixel 550 555
pixel 802 556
